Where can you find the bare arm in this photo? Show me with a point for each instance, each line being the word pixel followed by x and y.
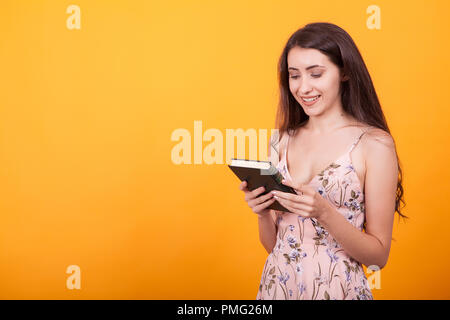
pixel 267 230
pixel 371 247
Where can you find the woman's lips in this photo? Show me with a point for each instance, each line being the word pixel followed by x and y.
pixel 310 103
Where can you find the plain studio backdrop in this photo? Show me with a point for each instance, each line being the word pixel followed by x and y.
pixel 92 204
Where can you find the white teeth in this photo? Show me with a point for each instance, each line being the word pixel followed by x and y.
pixel 311 99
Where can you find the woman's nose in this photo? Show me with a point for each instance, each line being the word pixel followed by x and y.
pixel 305 88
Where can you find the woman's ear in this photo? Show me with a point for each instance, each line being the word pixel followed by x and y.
pixel 343 74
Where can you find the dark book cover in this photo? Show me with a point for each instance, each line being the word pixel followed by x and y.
pixel 260 173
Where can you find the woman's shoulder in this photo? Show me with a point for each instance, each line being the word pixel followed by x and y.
pixel 374 135
pixel 376 144
pixel 278 142
pixel 278 138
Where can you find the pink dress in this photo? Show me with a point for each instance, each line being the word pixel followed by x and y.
pixel 307 262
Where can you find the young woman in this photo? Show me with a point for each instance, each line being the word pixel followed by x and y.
pixel 336 151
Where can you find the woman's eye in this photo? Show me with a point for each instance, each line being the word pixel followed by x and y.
pixel 312 75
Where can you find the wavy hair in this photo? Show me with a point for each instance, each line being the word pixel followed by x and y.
pixel 358 95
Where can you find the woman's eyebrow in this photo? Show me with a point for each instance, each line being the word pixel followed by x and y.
pixel 307 68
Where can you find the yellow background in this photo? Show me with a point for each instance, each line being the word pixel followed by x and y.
pixel 86 116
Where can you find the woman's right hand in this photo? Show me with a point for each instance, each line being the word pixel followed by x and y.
pixel 257 203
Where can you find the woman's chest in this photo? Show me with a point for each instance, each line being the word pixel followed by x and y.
pixel 305 167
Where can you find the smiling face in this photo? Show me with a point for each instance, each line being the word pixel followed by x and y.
pixel 312 76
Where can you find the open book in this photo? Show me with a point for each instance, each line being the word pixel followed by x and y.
pixel 261 173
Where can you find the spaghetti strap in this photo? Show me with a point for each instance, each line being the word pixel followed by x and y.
pixel 356 142
pixel 286 149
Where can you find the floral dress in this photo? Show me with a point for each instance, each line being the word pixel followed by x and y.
pixel 307 262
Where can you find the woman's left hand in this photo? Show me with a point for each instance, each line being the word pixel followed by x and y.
pixel 307 202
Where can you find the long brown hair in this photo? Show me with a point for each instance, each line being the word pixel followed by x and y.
pixel 358 95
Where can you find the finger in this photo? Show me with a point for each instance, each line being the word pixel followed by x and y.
pixel 305 189
pixel 294 207
pixel 260 199
pixel 287 195
pixel 300 189
pixel 298 206
pixel 297 198
pixel 289 183
pixel 243 185
pixel 249 195
pixel 264 205
pixel 286 205
pixel 258 191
